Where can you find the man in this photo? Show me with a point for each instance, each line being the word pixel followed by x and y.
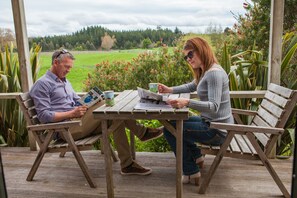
pixel 55 101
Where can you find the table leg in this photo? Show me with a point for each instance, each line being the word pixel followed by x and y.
pixel 107 158
pixel 179 158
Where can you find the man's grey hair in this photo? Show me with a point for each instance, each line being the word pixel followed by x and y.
pixel 61 54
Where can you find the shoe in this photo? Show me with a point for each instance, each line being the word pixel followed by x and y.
pixel 152 133
pixel 200 161
pixel 187 179
pixel 135 169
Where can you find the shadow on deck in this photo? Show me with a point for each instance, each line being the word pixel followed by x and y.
pixel 62 177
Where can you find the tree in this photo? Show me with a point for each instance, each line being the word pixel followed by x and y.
pixel 96 33
pixel 290 17
pixel 6 37
pixel 90 46
pixel 213 29
pixel 146 43
pixel 107 41
pixel 227 30
pixel 177 31
pixel 253 27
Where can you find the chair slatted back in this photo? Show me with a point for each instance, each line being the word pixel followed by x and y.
pixel 274 110
pixel 27 106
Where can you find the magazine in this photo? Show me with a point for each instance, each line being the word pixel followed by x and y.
pixel 92 97
pixel 151 100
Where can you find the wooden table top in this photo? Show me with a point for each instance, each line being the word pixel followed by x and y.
pixel 124 109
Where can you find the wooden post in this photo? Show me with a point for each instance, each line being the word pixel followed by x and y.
pixel 275 41
pixel 275 46
pixel 23 52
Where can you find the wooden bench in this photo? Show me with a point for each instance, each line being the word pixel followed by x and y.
pixel 256 140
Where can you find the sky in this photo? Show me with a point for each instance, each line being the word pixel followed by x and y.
pixel 60 17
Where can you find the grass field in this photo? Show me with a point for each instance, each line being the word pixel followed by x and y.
pixel 85 63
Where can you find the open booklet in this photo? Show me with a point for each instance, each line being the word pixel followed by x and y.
pixel 151 100
pixel 92 97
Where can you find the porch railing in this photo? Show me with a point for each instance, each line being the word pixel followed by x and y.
pixel 233 94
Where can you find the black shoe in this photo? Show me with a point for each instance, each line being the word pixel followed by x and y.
pixel 152 133
pixel 135 169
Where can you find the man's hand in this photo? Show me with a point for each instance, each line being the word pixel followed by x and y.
pixel 79 111
pixel 179 102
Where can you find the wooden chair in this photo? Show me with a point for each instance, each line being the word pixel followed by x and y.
pixel 256 140
pixel 44 134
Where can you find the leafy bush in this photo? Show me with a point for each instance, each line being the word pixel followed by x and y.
pixel 151 66
pixel 253 26
pixel 157 145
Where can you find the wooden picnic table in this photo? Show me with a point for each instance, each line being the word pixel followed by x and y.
pixel 124 110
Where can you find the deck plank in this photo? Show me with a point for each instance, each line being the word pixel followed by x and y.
pixel 62 177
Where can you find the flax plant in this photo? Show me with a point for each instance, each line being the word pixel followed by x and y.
pixel 13 128
pixel 288 79
pixel 2 140
pixel 288 66
pixel 247 72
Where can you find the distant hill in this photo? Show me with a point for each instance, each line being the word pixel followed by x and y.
pixel 89 38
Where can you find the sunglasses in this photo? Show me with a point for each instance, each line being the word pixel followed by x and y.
pixel 63 51
pixel 189 55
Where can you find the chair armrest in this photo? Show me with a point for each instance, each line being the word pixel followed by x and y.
pixel 240 128
pixel 53 126
pixel 244 112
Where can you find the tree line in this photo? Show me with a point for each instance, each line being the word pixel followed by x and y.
pixel 97 38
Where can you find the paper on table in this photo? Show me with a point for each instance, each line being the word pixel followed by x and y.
pixel 146 94
pixel 151 104
pixel 151 100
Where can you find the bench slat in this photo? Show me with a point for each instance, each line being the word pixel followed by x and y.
pixel 280 101
pixel 272 108
pixel 234 146
pixel 242 144
pixel 283 91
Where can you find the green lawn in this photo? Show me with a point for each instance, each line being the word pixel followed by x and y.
pixel 85 63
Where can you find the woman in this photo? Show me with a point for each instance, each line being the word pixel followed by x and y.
pixel 212 86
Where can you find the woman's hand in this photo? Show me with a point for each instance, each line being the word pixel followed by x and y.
pixel 164 89
pixel 179 102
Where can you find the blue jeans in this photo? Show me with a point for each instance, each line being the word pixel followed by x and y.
pixel 194 130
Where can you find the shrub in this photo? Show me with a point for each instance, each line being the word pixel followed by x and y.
pixel 158 66
pixel 151 66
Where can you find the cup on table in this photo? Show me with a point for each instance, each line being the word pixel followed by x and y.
pixel 153 87
pixel 109 98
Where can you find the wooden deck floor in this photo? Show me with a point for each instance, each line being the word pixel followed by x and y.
pixel 62 177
